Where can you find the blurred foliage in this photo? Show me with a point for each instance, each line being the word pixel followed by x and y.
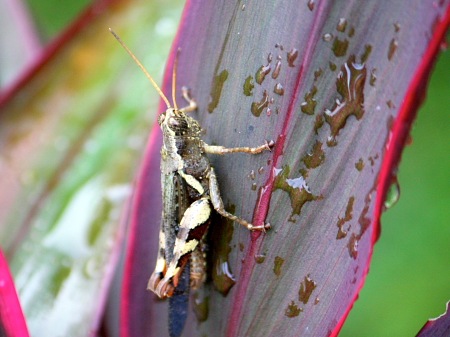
pixel 408 279
pixel 51 16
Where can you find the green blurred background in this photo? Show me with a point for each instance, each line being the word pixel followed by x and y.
pixel 409 279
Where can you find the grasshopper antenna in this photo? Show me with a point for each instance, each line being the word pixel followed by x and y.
pixel 158 89
pixel 174 79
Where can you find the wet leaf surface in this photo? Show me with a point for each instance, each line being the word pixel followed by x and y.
pixel 340 63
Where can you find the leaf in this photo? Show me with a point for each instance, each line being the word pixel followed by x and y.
pixel 439 326
pixel 71 140
pixel 19 43
pixel 12 322
pixel 404 234
pixel 343 102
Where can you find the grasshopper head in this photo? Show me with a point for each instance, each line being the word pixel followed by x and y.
pixel 173 122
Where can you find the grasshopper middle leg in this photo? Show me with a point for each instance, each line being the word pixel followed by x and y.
pixel 221 150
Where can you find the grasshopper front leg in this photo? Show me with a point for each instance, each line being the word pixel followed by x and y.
pixel 187 96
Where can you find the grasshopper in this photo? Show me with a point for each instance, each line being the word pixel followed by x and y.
pixel 190 192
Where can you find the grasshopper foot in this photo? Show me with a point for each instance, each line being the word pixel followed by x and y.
pixel 270 144
pixel 162 287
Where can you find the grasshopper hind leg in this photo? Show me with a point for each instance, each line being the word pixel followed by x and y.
pixel 160 268
pixel 191 231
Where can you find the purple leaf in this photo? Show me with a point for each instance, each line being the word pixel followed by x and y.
pixel 337 86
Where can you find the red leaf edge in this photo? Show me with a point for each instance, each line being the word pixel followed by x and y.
pixel 12 320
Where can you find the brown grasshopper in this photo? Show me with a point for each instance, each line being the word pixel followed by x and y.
pixel 190 191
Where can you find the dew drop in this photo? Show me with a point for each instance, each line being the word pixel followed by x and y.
pixel 393 194
pixel 223 278
pixel 248 86
pixel 309 105
pixel 260 258
pixel 278 89
pixel 276 171
pixel 332 66
pixel 261 170
pixel 316 158
pixel 261 73
pixel 327 37
pixel 318 73
pixel 277 263
pixel 331 141
pixel 254 187
pixel 297 189
pixel 220 237
pixel 277 69
pixel 350 85
pixel 252 175
pixel 373 77
pixel 340 47
pixel 258 107
pixel 352 246
pixel 392 49
pixel 311 4
pixel 292 56
pixel 359 165
pixel 342 24
pixel 307 286
pixel 292 310
pixel 342 233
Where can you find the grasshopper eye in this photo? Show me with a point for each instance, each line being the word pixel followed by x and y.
pixel 173 121
pixel 161 118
